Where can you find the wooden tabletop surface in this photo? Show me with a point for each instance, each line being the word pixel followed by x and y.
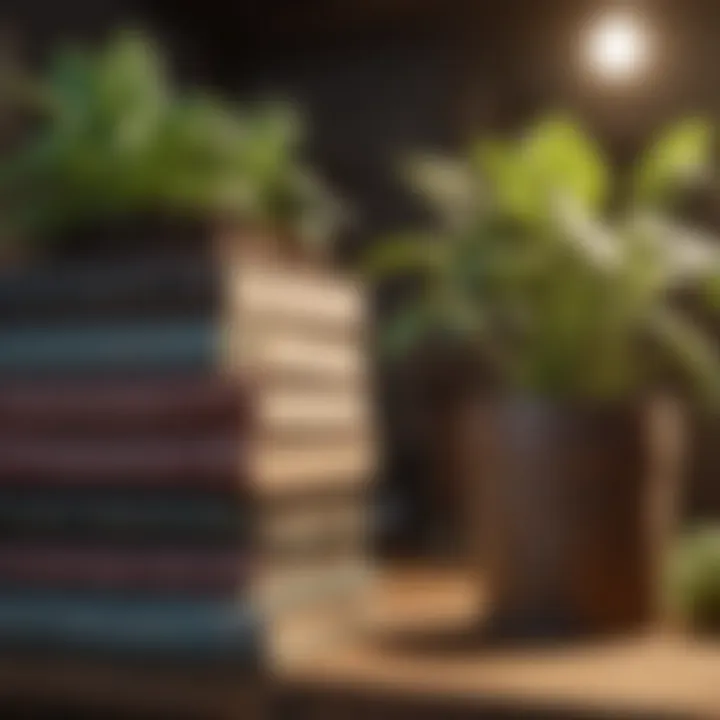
pixel 404 652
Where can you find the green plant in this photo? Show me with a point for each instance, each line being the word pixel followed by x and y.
pixel 528 267
pixel 115 137
pixel 694 579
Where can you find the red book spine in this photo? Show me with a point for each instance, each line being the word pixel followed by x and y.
pixel 198 462
pixel 155 403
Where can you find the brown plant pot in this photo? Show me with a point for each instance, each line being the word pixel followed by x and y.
pixel 703 495
pixel 574 507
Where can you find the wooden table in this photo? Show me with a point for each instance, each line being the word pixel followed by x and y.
pixel 401 667
pixel 397 669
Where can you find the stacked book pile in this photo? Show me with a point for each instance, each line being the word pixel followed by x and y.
pixel 301 340
pixel 184 459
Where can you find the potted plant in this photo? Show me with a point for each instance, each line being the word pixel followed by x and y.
pixel 117 157
pixel 578 311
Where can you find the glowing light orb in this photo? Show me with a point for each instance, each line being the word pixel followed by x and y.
pixel 618 46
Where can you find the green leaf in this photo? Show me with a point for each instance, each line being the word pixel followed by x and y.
pixel 565 162
pixel 711 291
pixel 693 578
pixel 406 329
pixel 445 319
pixel 130 76
pixel 447 185
pixel 403 255
pixel 680 155
pixel 70 84
pixel 511 184
pixel 556 160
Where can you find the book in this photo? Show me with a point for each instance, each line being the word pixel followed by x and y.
pixel 197 630
pixel 96 406
pixel 208 462
pixel 313 525
pixel 218 572
pixel 288 587
pixel 274 293
pixel 134 518
pixel 157 287
pixel 283 412
pixel 187 345
pixel 292 524
pixel 277 469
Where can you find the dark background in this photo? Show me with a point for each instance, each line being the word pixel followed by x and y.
pixel 379 78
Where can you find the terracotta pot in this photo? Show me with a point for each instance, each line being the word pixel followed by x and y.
pixel 574 504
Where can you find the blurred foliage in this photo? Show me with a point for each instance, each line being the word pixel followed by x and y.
pixel 680 157
pixel 694 580
pixel 116 137
pixel 561 296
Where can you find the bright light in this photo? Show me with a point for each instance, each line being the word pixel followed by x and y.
pixel 618 46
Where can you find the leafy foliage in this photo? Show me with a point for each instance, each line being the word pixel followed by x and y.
pixel 678 156
pixel 554 158
pixel 557 296
pixel 116 137
pixel 694 581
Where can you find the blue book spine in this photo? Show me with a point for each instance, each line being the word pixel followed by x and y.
pixel 199 629
pixel 132 346
pixel 104 283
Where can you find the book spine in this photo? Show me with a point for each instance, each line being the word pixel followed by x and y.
pixel 134 346
pixel 203 463
pixel 98 289
pixel 221 573
pixel 98 406
pixel 135 520
pixel 147 627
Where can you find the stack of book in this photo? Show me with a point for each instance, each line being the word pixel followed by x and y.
pixel 185 452
pixel 301 339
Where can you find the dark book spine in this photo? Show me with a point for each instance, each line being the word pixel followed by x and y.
pixel 222 573
pixel 103 290
pixel 133 519
pixel 203 463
